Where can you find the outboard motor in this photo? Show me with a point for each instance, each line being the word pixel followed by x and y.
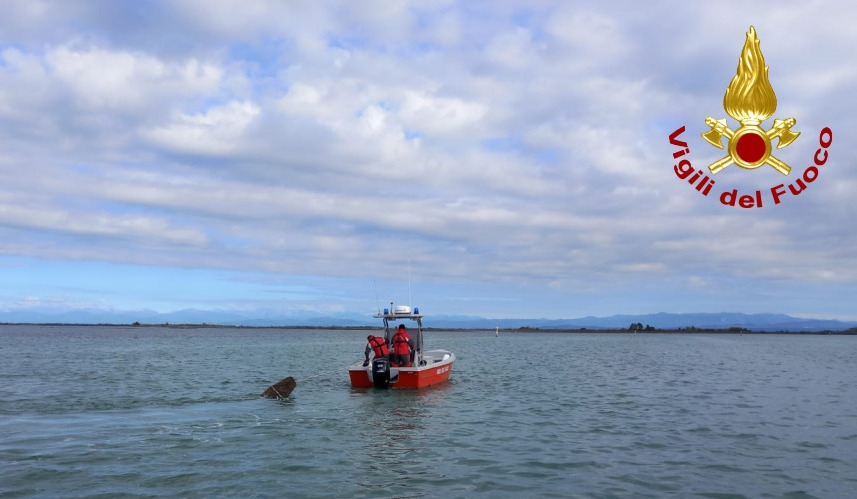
pixel 381 372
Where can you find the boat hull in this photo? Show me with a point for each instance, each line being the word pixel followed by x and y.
pixel 437 370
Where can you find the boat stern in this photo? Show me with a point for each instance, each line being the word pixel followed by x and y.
pixel 359 375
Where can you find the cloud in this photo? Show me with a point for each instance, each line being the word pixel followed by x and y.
pixel 121 81
pixel 217 131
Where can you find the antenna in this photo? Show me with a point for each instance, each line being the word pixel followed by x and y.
pixel 409 283
pixel 378 303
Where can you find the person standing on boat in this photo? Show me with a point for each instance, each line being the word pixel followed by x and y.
pixel 403 348
pixel 376 344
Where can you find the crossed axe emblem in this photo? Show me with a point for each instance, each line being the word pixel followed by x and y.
pixel 750 145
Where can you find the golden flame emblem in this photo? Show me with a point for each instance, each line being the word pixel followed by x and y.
pixel 750 99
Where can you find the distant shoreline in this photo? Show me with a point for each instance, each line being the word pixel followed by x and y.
pixel 521 330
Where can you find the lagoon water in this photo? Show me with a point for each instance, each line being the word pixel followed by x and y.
pixel 151 411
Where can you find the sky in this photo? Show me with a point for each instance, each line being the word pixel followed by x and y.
pixel 507 159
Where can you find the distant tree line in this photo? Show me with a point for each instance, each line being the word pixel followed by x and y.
pixel 638 326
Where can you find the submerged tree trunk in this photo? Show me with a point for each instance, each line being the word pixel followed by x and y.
pixel 280 389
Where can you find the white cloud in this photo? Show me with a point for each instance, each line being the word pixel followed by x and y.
pixel 439 116
pixel 126 81
pixel 96 225
pixel 219 130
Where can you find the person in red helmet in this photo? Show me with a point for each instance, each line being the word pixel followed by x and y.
pixel 378 346
pixel 403 346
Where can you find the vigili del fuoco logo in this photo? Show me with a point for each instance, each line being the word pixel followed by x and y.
pixel 750 100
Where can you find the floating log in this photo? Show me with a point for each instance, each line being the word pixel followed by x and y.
pixel 280 389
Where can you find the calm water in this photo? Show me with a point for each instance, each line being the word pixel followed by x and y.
pixel 108 411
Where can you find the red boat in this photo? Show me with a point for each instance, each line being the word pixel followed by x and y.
pixel 429 367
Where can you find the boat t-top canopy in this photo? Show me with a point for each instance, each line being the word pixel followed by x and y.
pixel 393 317
pixel 399 312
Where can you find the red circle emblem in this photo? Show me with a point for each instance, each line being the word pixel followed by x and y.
pixel 751 148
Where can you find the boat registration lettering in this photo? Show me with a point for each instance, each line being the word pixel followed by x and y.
pixel 443 369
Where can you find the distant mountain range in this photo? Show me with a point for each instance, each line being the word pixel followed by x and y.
pixel 723 320
pixel 261 318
